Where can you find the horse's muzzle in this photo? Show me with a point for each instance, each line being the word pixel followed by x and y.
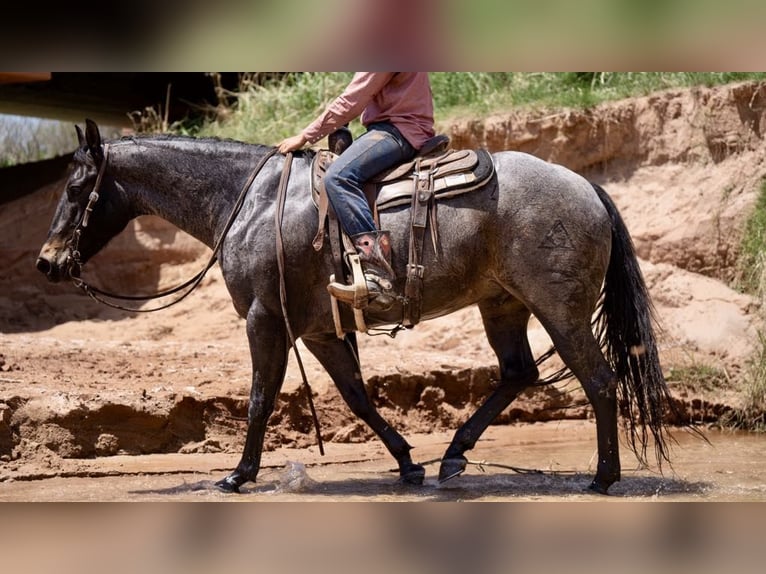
pixel 49 269
pixel 54 271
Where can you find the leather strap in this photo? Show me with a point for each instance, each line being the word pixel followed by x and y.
pixel 323 203
pixel 421 206
pixel 281 196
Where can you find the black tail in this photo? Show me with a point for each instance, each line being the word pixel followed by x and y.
pixel 625 326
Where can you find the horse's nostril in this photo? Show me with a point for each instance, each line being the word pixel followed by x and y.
pixel 43 265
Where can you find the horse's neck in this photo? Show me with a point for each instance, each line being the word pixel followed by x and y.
pixel 191 184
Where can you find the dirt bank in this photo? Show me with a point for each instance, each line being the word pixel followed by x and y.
pixel 78 380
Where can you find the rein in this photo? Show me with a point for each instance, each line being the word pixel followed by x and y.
pixel 98 295
pixel 281 196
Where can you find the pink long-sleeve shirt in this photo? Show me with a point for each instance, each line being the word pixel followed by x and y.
pixel 401 98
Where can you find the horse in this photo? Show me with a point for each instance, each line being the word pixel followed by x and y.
pixel 536 238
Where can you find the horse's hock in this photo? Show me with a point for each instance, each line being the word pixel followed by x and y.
pixel 675 153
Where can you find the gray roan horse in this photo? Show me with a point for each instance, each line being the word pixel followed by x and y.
pixel 536 239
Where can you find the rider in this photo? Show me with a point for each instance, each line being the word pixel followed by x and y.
pixel 397 110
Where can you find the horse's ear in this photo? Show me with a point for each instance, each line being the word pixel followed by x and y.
pixel 80 136
pixel 93 139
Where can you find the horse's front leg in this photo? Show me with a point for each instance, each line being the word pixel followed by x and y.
pixel 268 350
pixel 340 359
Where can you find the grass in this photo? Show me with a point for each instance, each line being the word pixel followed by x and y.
pixel 751 267
pixel 698 377
pixel 752 280
pixel 266 112
pixel 753 413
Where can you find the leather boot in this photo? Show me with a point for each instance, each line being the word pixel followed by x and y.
pixel 374 249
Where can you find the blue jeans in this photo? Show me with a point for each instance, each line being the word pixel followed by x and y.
pixel 380 148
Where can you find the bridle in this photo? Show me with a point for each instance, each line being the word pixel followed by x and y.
pixel 74 261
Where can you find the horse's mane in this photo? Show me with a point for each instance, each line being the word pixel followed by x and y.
pixel 150 138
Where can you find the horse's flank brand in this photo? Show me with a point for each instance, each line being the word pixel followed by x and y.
pixel 557 238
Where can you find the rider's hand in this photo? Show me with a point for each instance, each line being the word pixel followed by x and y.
pixel 291 144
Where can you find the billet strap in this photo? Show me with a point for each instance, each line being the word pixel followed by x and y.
pixel 421 207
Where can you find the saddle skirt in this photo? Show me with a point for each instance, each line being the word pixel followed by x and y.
pixel 453 172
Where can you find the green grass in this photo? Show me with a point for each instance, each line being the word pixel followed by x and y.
pixel 698 377
pixel 752 257
pixel 267 113
pixel 283 106
pixel 752 280
pixel 751 415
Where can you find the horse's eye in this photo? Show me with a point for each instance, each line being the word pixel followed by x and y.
pixel 73 192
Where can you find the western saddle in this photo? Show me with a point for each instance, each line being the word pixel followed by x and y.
pixel 436 173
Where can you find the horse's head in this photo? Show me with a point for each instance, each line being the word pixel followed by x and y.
pixel 69 242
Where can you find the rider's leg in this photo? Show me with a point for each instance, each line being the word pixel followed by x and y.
pixel 380 148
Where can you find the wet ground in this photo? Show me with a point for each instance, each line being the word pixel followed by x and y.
pixel 526 462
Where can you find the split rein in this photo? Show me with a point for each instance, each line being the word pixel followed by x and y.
pixel 101 296
pixel 193 283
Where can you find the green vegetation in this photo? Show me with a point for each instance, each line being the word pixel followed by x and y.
pixel 698 377
pixel 752 258
pixel 752 415
pixel 752 280
pixel 267 111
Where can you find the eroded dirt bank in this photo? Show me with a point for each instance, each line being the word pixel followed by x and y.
pixel 78 380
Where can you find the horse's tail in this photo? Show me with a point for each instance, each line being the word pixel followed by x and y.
pixel 625 326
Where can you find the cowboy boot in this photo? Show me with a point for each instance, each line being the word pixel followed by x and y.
pixel 374 249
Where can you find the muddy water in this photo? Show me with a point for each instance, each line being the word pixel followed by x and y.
pixel 550 461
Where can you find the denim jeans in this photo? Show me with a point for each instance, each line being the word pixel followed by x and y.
pixel 380 148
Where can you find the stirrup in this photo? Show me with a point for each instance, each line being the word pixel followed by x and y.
pixel 356 294
pixel 361 326
pixel 359 296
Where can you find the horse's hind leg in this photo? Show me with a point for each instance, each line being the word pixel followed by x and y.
pixel 505 323
pixel 340 359
pixel 577 347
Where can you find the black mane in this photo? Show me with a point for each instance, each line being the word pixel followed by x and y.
pixel 149 138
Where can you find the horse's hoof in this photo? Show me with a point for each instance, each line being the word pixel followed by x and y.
pixel 599 487
pixel 412 474
pixel 452 467
pixel 228 484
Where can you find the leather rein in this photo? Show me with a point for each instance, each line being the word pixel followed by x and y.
pixel 191 284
